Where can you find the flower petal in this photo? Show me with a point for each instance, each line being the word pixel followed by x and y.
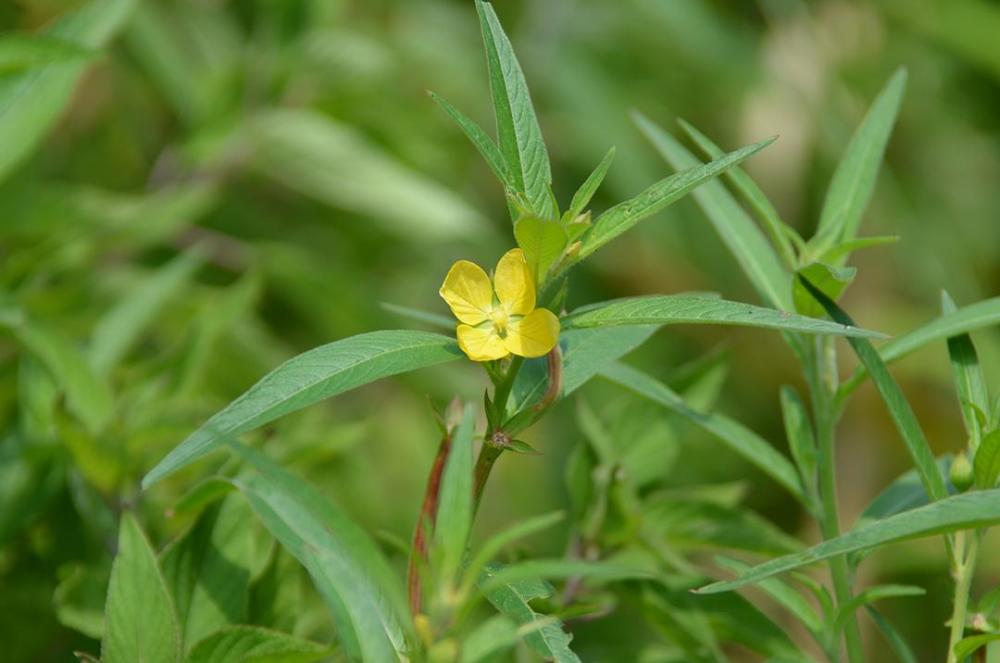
pixel 514 283
pixel 468 292
pixel 534 334
pixel 480 344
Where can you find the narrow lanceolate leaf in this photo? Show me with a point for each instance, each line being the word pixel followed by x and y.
pixel 870 595
pixel 312 376
pixel 518 133
pixel 743 441
pixel 140 626
pixel 783 593
pixel 208 570
pixel 801 441
pixel 986 465
pixel 512 600
pixel 766 213
pixel 854 180
pixel 31 101
pixel 737 230
pixel 959 512
pixel 966 319
pixel 119 329
pixel 487 148
pixel 692 309
pixel 899 408
pixel 969 381
pixel 362 592
pixel 968 646
pixel 589 187
pixel 623 216
pixel 897 643
pixel 454 514
pixel 253 644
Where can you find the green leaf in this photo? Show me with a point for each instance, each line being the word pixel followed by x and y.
pixel 432 319
pixel 905 493
pixel 454 512
pixel 966 647
pixel 308 378
pixel 895 639
pixel 798 431
pixel 542 242
pixel 766 213
pixel 253 644
pixel 87 395
pixel 362 592
pixel 692 309
pixel 959 512
pixel 843 249
pixel 623 216
pixel 32 101
pixel 783 593
pixel 19 52
pixel 557 569
pixel 120 328
pixel 332 163
pixel 492 547
pixel 854 180
pixel 518 133
pixel 900 410
pixel 832 281
pixel 986 464
pixel 140 625
pixel 753 448
pixel 487 148
pixel 208 570
pixel 512 600
pixel 965 319
pixel 494 635
pixel 739 233
pixel 691 524
pixel 589 187
pixel 969 381
pixel 870 595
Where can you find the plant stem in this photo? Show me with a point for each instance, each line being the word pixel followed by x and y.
pixel 822 376
pixel 964 569
pixel 425 525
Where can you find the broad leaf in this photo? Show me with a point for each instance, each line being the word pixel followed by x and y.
pixel 542 242
pixel 361 590
pixel 512 600
pixel 854 180
pixel 959 512
pixel 899 408
pixel 966 319
pixel 208 570
pixel 740 234
pixel 625 215
pixel 753 448
pixel 308 378
pixel 32 101
pixel 140 625
pixel 518 133
pixel 253 644
pixel 692 309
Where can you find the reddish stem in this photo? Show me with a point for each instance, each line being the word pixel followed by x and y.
pixel 425 525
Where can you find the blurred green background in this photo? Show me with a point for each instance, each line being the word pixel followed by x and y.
pixel 248 180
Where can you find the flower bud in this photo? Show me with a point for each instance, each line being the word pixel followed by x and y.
pixel 961 473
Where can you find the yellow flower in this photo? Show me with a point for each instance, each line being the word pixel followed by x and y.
pixel 499 318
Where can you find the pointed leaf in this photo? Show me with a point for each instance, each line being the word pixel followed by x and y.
pixel 19 52
pixel 968 646
pixel 870 595
pixel 362 592
pixel 140 626
pixel 253 644
pixel 542 242
pixel 801 441
pixel 854 180
pixel 308 378
pixel 589 187
pixel 969 381
pixel 959 512
pixel 623 216
pixel 986 464
pixel 691 309
pixel 487 148
pixel 737 230
pixel 519 135
pixel 454 512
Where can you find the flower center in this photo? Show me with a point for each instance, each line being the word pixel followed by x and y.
pixel 500 319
